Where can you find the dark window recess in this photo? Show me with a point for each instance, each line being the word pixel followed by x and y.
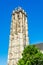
pixel 14 17
pixel 18 17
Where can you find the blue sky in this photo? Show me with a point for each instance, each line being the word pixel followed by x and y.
pixel 34 9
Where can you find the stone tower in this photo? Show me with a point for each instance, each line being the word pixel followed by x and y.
pixel 18 35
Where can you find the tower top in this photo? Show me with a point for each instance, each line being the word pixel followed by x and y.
pixel 19 9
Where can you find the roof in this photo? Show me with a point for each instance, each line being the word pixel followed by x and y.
pixel 39 45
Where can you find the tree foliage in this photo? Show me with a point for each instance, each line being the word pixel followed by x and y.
pixel 31 56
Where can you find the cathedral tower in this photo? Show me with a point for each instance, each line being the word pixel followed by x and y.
pixel 18 36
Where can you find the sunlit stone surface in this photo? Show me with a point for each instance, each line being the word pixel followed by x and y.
pixel 18 36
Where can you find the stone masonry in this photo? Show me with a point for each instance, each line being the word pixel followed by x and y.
pixel 18 36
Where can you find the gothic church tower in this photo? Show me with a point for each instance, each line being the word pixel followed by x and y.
pixel 18 36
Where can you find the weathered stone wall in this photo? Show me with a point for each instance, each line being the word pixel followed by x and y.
pixel 18 36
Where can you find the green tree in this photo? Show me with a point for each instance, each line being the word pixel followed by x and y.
pixel 31 56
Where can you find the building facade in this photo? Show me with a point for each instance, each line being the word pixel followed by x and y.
pixel 39 46
pixel 18 36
